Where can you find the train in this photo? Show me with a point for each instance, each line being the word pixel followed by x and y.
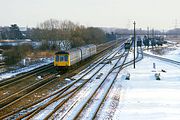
pixel 127 45
pixel 154 41
pixel 65 59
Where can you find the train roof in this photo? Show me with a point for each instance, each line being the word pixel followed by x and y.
pixel 61 52
pixel 74 49
pixel 88 46
pixel 67 52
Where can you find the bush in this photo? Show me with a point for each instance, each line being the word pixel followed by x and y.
pixel 16 54
pixel 11 57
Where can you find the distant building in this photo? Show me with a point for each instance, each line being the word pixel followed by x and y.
pixel 111 36
pixel 23 31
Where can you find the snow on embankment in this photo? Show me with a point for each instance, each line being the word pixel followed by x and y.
pixel 171 54
pixel 145 98
pixel 25 69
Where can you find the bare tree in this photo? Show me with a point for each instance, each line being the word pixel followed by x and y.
pixel 67 32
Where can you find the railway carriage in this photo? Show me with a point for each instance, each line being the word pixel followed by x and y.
pixel 73 56
pixel 87 51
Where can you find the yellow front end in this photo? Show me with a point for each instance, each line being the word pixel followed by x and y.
pixel 61 63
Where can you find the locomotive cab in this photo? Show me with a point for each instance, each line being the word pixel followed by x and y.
pixel 61 59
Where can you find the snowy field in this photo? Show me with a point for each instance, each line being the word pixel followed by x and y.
pixel 25 69
pixel 145 98
pixel 173 55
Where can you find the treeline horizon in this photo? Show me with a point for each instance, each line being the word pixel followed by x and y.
pixel 53 30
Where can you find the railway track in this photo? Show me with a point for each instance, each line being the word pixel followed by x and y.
pixel 15 111
pixel 110 104
pixel 138 58
pixel 72 95
pixel 5 101
pixel 73 86
pixel 95 99
pixel 19 77
pixel 14 90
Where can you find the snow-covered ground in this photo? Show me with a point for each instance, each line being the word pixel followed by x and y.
pixel 172 54
pixel 140 98
pixel 25 69
pixel 145 98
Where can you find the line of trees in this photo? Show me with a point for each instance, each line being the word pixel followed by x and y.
pixel 69 33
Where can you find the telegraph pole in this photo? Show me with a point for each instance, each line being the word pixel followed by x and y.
pixel 134 41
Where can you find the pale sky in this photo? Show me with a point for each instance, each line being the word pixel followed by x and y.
pixel 158 14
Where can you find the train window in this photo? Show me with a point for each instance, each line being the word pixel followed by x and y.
pixel 61 58
pixel 57 58
pixel 66 58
